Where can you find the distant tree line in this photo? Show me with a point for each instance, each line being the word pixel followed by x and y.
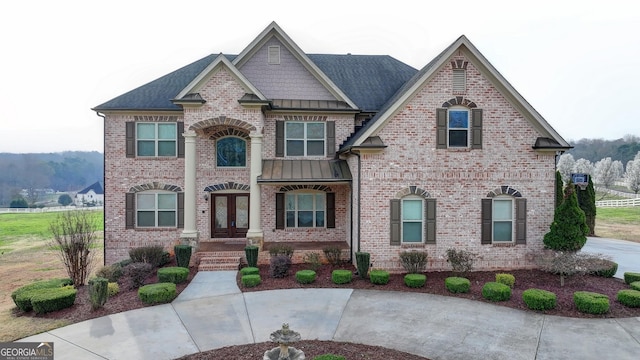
pixel 623 149
pixel 33 173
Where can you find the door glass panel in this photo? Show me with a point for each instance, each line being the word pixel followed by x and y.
pixel 242 212
pixel 221 212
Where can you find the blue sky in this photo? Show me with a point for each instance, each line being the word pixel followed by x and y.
pixel 576 62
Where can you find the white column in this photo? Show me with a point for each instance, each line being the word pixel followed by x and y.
pixel 190 232
pixel 255 234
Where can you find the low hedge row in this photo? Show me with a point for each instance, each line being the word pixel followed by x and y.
pixel 379 277
pixel 457 285
pixel 340 277
pixel 173 274
pixel 159 293
pixel 22 296
pixel 415 280
pixel 629 297
pixel 537 299
pixel 631 277
pixel 53 299
pixel 305 276
pixel 590 302
pixel 494 291
pixel 250 280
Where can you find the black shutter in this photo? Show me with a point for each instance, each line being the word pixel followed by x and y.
pixel 180 210
pixel 476 128
pixel 280 139
pixel 331 210
pixel 130 210
pixel 441 128
pixel 521 221
pixel 279 210
pixel 331 138
pixel 130 145
pixel 430 221
pixel 395 222
pixel 180 127
pixel 487 220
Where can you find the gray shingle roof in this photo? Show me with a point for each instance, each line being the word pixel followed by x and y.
pixel 368 80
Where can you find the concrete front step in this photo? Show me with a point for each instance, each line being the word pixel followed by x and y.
pixel 218 261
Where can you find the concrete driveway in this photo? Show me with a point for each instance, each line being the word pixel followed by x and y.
pixel 625 253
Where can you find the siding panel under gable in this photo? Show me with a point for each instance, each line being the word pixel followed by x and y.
pixel 288 80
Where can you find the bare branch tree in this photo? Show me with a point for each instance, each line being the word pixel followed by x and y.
pixel 74 234
pixel 632 175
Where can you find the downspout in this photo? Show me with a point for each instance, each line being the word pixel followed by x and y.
pixel 104 188
pixel 358 199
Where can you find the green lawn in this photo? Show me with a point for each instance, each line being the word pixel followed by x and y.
pixel 619 215
pixel 16 225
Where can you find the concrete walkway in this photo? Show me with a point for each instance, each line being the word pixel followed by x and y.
pixel 212 312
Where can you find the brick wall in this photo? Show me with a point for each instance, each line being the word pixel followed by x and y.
pixel 458 179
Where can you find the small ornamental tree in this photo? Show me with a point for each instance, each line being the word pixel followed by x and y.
pixel 569 230
pixel 587 202
pixel 559 192
pixel 19 203
pixel 74 238
pixel 64 200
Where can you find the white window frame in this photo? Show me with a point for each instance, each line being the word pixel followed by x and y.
pixel 246 153
pixel 305 139
pixel 421 221
pixel 494 220
pixel 296 210
pixel 156 210
pixel 156 139
pixel 467 129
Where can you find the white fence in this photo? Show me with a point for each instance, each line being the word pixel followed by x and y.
pixel 47 209
pixel 618 203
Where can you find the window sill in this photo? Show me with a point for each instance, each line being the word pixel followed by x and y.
pixel 155 228
pixel 505 244
pixel 459 149
pixel 157 158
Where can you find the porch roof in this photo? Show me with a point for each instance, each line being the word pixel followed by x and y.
pixel 304 171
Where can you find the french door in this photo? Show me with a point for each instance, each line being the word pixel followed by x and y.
pixel 230 215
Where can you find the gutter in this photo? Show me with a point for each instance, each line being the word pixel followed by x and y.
pixel 104 188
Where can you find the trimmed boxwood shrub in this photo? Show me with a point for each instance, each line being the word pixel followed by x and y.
pixel 494 291
pixel 341 276
pixel 329 357
pixel 305 276
pixel 629 297
pixel 506 279
pixel 590 302
pixel 159 293
pixel 608 270
pixel 457 284
pixel 250 270
pixel 537 299
pixel 183 255
pixel 630 277
pixel 415 280
pixel 635 285
pixel 113 289
pixel 250 280
pixel 251 253
pixel 173 274
pixel 22 295
pixel 379 277
pixel 53 299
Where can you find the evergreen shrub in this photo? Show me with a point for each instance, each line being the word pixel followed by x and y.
pixel 506 279
pixel 635 285
pixel 329 357
pixel 630 277
pixel 159 293
pixel 629 297
pixel 494 291
pixel 457 284
pixel 305 276
pixel 279 266
pixel 607 269
pixel 22 295
pixel 98 292
pixel 183 255
pixel 53 299
pixel 341 276
pixel 113 288
pixel 250 280
pixel 363 260
pixel 590 302
pixel 251 253
pixel 173 274
pixel 537 299
pixel 249 270
pixel 379 277
pixel 413 262
pixel 415 280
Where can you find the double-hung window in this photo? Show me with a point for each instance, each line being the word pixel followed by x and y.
pixel 231 152
pixel 305 138
pixel 502 209
pixel 156 209
pixel 156 139
pixel 412 220
pixel 305 210
pixel 458 127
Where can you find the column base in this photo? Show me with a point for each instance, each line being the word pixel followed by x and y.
pixel 189 237
pixel 255 237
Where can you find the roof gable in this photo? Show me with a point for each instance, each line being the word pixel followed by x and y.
pixel 96 187
pixel 411 87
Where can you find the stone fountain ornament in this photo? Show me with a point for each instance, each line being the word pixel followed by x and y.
pixel 284 337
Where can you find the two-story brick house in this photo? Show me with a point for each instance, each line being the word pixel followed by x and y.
pixel 274 145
